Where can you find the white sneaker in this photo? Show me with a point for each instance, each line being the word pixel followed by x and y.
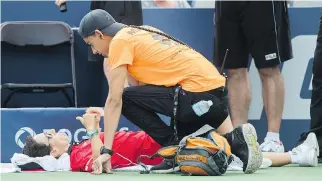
pixel 266 163
pixel 307 152
pixel 237 164
pixel 271 145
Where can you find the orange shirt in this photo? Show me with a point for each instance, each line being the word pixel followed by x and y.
pixel 156 60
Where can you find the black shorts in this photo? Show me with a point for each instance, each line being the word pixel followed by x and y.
pixel 258 28
pixel 189 122
pixel 140 105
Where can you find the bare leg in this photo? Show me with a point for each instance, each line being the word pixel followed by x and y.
pixel 278 159
pixel 239 93
pixel 273 96
pixel 225 127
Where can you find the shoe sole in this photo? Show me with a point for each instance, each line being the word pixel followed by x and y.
pixel 255 156
pixel 317 150
pixel 316 143
pixel 315 161
pixel 172 170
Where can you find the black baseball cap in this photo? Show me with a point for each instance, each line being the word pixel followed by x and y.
pixel 99 20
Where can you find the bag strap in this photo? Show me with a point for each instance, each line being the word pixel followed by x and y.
pixel 206 128
pixel 175 109
pixel 145 167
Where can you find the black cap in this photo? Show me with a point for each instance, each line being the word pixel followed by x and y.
pixel 99 20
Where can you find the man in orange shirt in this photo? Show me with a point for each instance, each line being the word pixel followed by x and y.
pixel 167 77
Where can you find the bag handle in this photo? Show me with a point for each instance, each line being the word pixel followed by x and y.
pixel 205 129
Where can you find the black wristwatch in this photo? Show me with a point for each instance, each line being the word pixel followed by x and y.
pixel 104 150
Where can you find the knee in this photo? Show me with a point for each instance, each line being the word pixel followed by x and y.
pixel 240 73
pixel 269 72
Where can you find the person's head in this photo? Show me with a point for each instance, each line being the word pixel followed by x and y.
pixel 97 28
pixel 47 143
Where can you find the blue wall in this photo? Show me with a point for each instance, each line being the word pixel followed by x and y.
pixel 89 74
pixel 195 28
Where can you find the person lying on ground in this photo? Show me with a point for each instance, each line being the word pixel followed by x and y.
pixel 133 144
pixel 130 145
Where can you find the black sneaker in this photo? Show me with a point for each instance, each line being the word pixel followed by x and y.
pixel 167 166
pixel 243 142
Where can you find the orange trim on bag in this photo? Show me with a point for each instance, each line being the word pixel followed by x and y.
pixel 222 142
pixel 193 170
pixel 198 158
pixel 168 152
pixel 199 142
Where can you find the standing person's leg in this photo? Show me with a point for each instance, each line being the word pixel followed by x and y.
pixel 273 97
pixel 316 99
pixel 230 40
pixel 240 95
pixel 268 38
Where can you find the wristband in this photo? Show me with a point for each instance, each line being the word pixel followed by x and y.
pixel 104 150
pixel 90 134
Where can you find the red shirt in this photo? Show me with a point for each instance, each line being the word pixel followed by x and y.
pixel 127 143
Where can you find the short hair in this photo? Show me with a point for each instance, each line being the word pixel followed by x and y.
pixel 34 149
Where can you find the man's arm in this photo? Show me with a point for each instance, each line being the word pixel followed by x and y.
pixel 113 104
pixel 90 121
pixel 128 80
pixel 96 146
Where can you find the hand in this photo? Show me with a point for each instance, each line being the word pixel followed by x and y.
pixel 165 3
pixel 60 2
pixel 95 110
pixel 89 121
pixel 102 164
pixel 98 111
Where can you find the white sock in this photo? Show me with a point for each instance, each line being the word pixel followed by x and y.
pixel 294 157
pixel 274 136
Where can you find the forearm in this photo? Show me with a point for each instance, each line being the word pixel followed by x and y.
pixel 96 146
pixel 112 111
